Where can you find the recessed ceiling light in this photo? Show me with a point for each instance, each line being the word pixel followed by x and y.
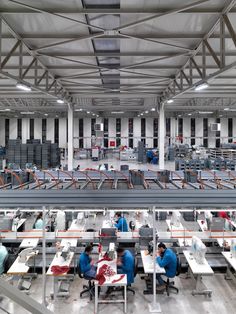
pixel 141 114
pixel 7 109
pixel 27 112
pixel 170 101
pixel 46 114
pixel 146 111
pixel 205 112
pixel 93 114
pixel 201 86
pixel 23 87
pixel 97 116
pixel 226 109
pixel 60 101
pixel 117 112
pixel 153 109
pixel 138 115
pixel 88 112
pixel 189 114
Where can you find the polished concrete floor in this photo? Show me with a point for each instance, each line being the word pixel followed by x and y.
pixel 115 162
pixel 223 299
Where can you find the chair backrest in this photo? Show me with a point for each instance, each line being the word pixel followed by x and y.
pixel 135 266
pixel 178 267
pixel 79 271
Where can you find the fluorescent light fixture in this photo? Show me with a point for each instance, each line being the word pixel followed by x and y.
pixel 115 90
pixel 189 114
pixel 232 109
pixel 153 109
pixel 170 101
pixel 46 114
pixel 117 112
pixel 27 112
pixel 97 116
pixel 205 112
pixel 79 109
pixel 60 101
pixel 7 109
pixel 146 111
pixel 138 115
pixel 201 86
pixel 93 114
pixel 23 87
pixel 226 109
pixel 141 114
pixel 88 112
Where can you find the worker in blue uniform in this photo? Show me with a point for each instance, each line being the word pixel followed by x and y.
pixel 125 264
pixel 167 259
pixel 3 255
pixel 39 222
pixel 121 223
pixel 86 263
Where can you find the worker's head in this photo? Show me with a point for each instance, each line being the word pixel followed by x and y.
pixel 161 247
pixel 118 215
pixel 40 215
pixel 120 251
pixel 88 249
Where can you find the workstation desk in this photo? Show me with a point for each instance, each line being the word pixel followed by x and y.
pixel 198 271
pixel 231 262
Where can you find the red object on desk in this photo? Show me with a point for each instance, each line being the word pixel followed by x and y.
pixel 112 143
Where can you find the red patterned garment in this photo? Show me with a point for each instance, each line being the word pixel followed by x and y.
pixel 105 270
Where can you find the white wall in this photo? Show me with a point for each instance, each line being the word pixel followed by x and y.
pixel 111 130
pixel 25 129
pixel 137 131
pixel 87 133
pixel 62 133
pixel 50 130
pixel 125 131
pixel 186 130
pixel 38 129
pixel 76 132
pixel 199 131
pixel 149 132
pixel 173 123
pixel 13 129
pixel 211 135
pixel 224 130
pixel 2 132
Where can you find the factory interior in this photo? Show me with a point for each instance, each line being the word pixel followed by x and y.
pixel 117 156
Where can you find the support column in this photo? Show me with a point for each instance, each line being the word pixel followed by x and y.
pixel 161 137
pixel 70 137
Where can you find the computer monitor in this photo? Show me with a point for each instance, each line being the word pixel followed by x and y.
pixel 6 223
pixel 108 235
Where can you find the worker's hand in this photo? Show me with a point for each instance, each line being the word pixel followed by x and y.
pixel 119 263
pixel 92 262
pixel 158 253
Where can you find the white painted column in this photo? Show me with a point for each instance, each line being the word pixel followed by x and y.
pixel 13 129
pixel 173 121
pixel 76 132
pixel 199 131
pixel 149 132
pixel 137 131
pixel 38 129
pixel 25 129
pixel 186 131
pixel 161 137
pixel 211 134
pixel 111 130
pixel 124 131
pixel 62 133
pixel 50 130
pixel 70 137
pixel 87 132
pixel 224 130
pixel 2 132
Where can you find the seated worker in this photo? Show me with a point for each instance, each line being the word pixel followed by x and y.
pixel 125 264
pixel 121 223
pixel 39 222
pixel 165 258
pixel 3 254
pixel 86 263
